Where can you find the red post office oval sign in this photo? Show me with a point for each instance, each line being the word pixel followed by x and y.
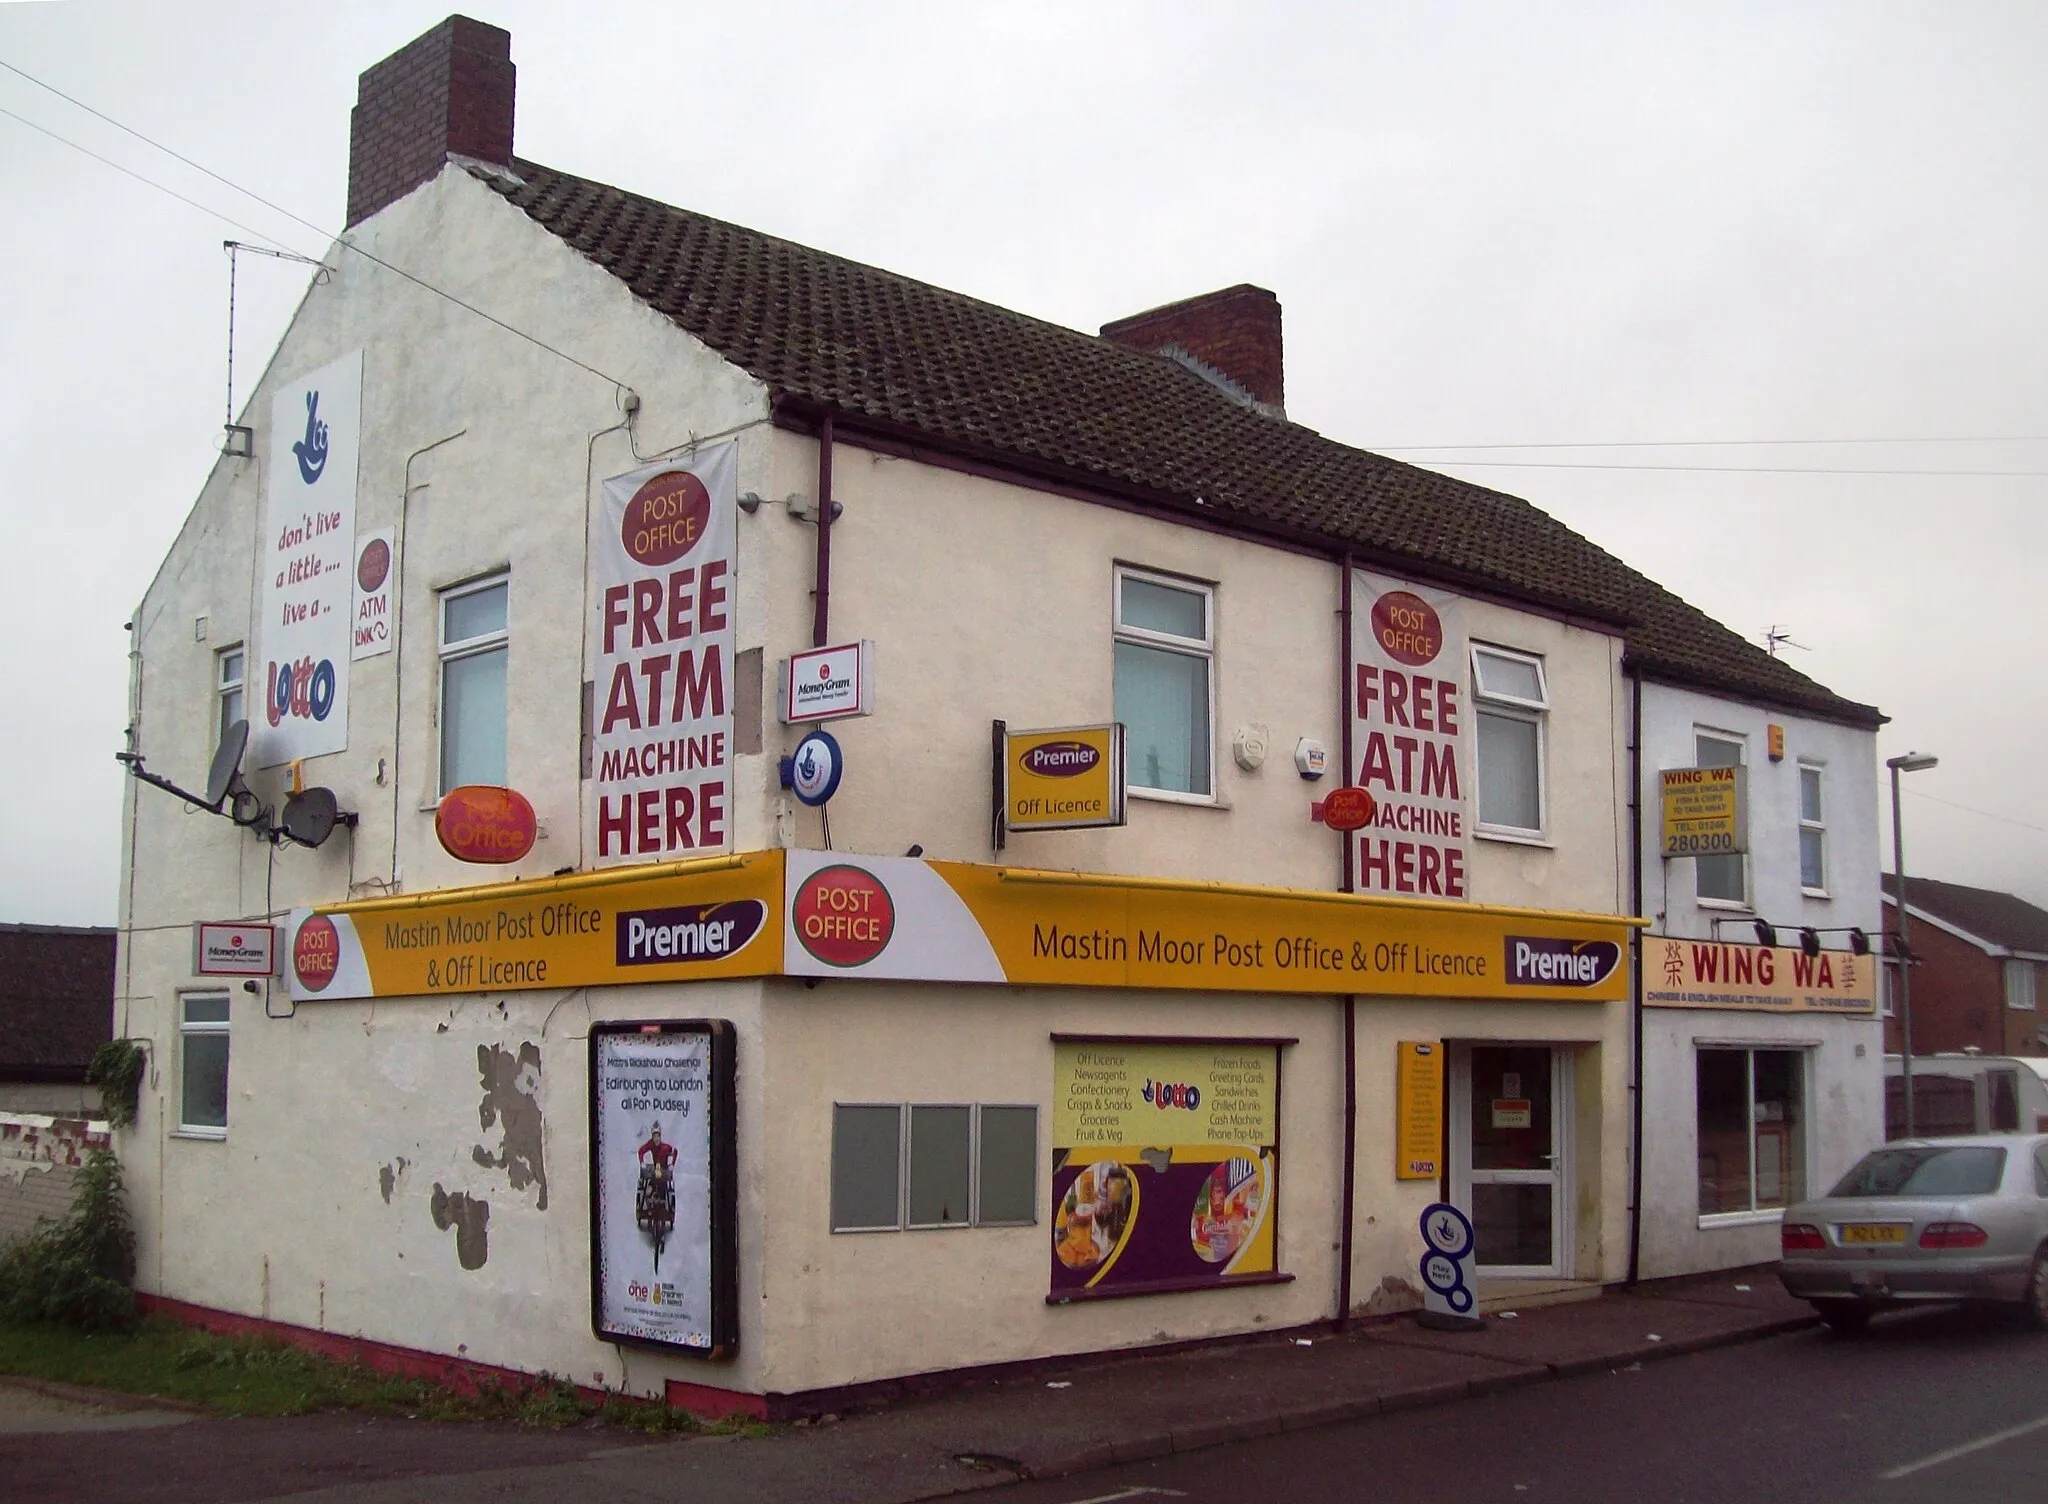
pixel 843 915
pixel 1349 808
pixel 480 822
pixel 666 518
pixel 316 952
pixel 1407 627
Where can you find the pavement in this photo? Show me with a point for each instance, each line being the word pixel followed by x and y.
pixel 1054 1424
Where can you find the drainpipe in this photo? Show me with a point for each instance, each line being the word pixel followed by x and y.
pixel 1350 999
pixel 821 615
pixel 1635 992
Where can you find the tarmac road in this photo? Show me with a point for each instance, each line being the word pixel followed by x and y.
pixel 1930 1407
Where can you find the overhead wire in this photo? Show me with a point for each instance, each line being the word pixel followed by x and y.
pixel 1709 443
pixel 300 219
pixel 1451 461
pixel 1973 810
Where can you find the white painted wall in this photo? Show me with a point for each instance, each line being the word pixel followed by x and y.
pixel 1844 1089
pixel 986 600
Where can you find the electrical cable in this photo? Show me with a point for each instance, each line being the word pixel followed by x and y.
pixel 1455 463
pixel 1707 443
pixel 1973 810
pixel 276 208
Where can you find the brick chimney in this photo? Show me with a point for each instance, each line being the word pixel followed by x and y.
pixel 449 91
pixel 1235 333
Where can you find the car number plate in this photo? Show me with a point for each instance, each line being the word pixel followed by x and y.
pixel 1873 1232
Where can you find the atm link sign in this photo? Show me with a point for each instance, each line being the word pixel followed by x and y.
pixel 1535 961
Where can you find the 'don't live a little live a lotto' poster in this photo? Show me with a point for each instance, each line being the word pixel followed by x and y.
pixel 661 1224
pixel 1164 1163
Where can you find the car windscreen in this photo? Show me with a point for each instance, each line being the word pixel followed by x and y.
pixel 1969 1170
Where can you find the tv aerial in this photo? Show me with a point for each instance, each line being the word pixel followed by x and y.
pixel 310 815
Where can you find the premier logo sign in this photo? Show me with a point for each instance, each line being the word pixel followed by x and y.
pixel 1535 961
pixel 693 932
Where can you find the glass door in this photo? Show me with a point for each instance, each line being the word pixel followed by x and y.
pixel 1508 1154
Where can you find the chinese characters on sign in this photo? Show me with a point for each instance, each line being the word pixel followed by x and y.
pixel 1781 979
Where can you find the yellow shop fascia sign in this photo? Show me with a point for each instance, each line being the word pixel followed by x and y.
pixel 1066 778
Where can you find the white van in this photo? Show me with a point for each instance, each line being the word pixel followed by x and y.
pixel 1955 1094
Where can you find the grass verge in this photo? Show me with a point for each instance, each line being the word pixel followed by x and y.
pixel 245 1376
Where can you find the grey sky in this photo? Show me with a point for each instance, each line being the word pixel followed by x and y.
pixel 1487 224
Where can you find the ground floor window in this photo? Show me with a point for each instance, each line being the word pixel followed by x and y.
pixel 910 1165
pixel 1752 1128
pixel 203 1064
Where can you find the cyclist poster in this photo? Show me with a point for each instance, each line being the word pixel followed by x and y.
pixel 654 1094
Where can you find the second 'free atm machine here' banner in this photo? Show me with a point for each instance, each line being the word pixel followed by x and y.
pixel 909 919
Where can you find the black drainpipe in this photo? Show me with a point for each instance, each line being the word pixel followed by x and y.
pixel 1635 992
pixel 821 613
pixel 1350 999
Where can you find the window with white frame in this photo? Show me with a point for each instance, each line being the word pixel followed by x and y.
pixel 1511 702
pixel 473 657
pixel 927 1165
pixel 203 1064
pixel 2019 983
pixel 1813 830
pixel 230 669
pixel 1164 638
pixel 1752 1129
pixel 1724 878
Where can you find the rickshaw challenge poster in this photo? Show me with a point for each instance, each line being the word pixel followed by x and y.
pixel 1164 1162
pixel 652 1099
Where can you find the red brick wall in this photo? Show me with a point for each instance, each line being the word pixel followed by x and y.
pixel 1959 999
pixel 449 91
pixel 1236 330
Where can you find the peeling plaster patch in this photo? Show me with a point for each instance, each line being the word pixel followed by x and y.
pixel 1394 1294
pixel 512 1099
pixel 386 1179
pixel 471 1219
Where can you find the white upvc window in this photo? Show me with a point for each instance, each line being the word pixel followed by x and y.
pixel 1511 704
pixel 1163 639
pixel 2019 983
pixel 230 672
pixel 203 1064
pixel 1813 831
pixel 1721 879
pixel 474 650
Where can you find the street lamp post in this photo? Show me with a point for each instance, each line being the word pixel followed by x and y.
pixel 1912 762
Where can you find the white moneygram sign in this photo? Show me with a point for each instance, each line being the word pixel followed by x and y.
pixel 828 684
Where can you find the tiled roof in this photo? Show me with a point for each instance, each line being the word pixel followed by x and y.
pixel 989 383
pixel 56 1000
pixel 1999 918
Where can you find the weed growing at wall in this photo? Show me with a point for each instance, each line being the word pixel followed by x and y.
pixel 116 1069
pixel 78 1271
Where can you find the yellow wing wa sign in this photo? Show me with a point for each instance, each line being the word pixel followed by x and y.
pixel 1706 811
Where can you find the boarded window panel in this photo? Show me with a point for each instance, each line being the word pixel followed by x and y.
pixel 1009 1165
pixel 867 1151
pixel 939 1166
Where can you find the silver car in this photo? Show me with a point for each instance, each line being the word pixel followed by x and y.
pixel 1926 1220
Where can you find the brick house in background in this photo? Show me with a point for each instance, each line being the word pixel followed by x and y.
pixel 1983 968
pixel 56 1008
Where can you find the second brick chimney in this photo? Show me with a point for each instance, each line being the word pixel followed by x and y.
pixel 1235 333
pixel 449 91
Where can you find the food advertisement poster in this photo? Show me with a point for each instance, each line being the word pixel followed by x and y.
pixel 1164 1164
pixel 661 598
pixel 1419 1110
pixel 1760 978
pixel 661 1206
pixel 306 569
pixel 1705 811
pixel 1412 735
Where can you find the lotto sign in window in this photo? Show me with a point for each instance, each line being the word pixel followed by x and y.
pixel 1704 811
pixel 1164 1163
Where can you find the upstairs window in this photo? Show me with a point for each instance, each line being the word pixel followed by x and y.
pixel 1813 831
pixel 1511 701
pixel 1720 879
pixel 474 642
pixel 2019 984
pixel 229 673
pixel 1164 638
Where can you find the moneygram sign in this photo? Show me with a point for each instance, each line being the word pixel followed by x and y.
pixel 1068 778
pixel 828 684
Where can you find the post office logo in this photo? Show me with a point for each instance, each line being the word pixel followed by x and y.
pixel 1542 961
pixel 843 915
pixel 666 518
pixel 316 952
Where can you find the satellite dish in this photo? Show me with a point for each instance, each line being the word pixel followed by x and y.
pixel 310 817
pixel 227 763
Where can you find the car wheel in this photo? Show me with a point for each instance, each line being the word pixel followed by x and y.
pixel 1845 1318
pixel 2034 1303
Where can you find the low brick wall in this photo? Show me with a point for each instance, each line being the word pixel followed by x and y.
pixel 39 1160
